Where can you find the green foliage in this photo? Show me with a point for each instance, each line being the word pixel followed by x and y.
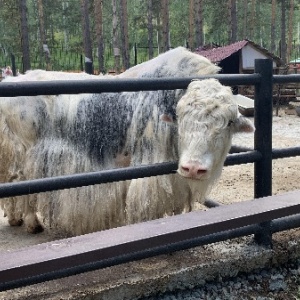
pixel 63 27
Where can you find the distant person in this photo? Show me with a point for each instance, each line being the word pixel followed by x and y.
pixel 8 72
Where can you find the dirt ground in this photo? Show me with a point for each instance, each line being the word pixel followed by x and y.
pixel 236 183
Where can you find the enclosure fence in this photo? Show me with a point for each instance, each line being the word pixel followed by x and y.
pixel 174 233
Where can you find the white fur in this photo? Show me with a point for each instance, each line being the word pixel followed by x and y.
pixel 29 150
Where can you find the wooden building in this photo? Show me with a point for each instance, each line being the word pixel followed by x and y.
pixel 239 57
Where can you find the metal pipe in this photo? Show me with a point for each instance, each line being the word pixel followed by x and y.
pixel 286 78
pixel 33 186
pixel 84 179
pixel 13 89
pixel 286 152
pixel 263 114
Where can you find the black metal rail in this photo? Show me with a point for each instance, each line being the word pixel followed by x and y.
pixel 13 89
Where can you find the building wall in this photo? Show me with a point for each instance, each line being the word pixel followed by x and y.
pixel 249 54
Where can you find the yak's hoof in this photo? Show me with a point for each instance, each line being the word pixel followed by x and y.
pixel 36 229
pixel 15 222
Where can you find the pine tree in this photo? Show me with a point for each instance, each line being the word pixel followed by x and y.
pixel 150 27
pixel 44 45
pixel 165 26
pixel 87 44
pixel 124 34
pixel 116 46
pixel 24 36
pixel 98 8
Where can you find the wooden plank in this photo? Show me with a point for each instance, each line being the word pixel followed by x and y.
pixel 119 242
pixel 245 105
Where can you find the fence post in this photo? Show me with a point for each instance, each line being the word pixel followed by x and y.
pixel 88 66
pixel 13 65
pixel 135 54
pixel 81 63
pixel 263 140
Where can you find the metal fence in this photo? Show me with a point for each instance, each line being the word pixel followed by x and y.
pixel 260 224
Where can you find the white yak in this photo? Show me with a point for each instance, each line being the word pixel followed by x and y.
pixel 46 136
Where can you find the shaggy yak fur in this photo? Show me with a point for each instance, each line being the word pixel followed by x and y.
pixel 46 136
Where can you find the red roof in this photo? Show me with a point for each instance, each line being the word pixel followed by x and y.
pixel 219 53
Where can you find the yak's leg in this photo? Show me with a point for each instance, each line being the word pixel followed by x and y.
pixel 24 207
pixel 31 220
pixel 9 207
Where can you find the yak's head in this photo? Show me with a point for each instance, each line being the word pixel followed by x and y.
pixel 207 118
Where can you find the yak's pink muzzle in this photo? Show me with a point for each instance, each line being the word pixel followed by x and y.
pixel 192 169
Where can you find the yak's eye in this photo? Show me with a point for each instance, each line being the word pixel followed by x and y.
pixel 230 122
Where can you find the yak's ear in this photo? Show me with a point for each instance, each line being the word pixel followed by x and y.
pixel 243 124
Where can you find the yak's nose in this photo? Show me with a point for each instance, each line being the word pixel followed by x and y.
pixel 192 169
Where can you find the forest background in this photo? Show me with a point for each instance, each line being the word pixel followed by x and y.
pixel 117 34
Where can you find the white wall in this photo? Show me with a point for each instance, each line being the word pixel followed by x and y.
pixel 249 54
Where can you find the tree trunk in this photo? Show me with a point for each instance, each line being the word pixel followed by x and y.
pixel 273 26
pixel 252 25
pixel 290 32
pixel 87 44
pixel 116 46
pixel 191 25
pixel 283 33
pixel 124 34
pixel 44 46
pixel 199 23
pixel 65 6
pixel 165 26
pixel 232 21
pixel 99 33
pixel 245 21
pixel 158 33
pixel 24 36
pixel 150 28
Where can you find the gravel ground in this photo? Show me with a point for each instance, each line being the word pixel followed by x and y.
pixel 268 284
